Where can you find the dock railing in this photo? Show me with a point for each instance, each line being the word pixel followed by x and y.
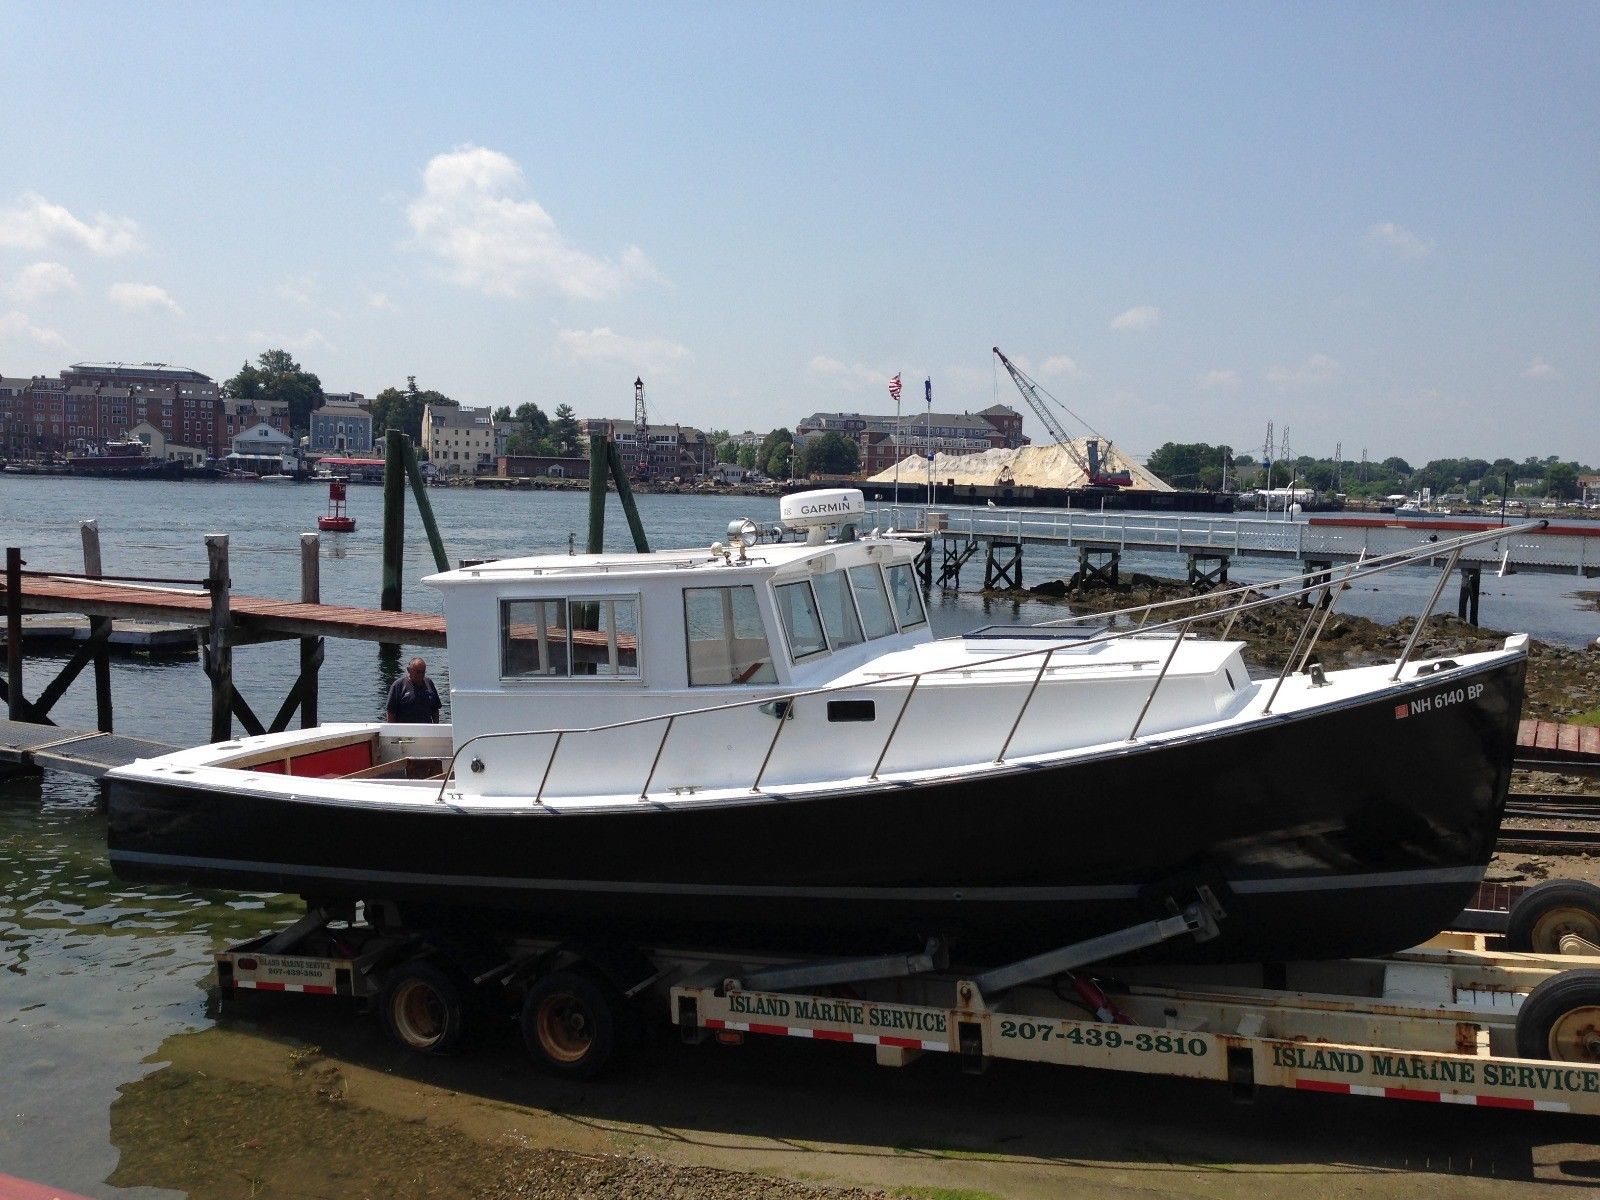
pixel 1324 586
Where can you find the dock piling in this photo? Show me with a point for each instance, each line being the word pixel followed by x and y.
pixel 219 651
pixel 99 629
pixel 16 706
pixel 1467 602
pixel 394 519
pixel 310 647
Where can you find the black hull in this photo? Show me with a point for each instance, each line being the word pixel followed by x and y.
pixel 1351 832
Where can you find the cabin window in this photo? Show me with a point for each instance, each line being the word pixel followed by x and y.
pixel 838 610
pixel 872 601
pixel 907 596
pixel 801 621
pixel 727 640
pixel 576 637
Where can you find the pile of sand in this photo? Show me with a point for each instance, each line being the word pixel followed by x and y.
pixel 1052 466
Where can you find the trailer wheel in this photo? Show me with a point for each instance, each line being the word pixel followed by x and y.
pixel 1547 912
pixel 570 1024
pixel 1560 1019
pixel 423 1008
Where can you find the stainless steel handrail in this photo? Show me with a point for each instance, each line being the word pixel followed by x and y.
pixel 1373 566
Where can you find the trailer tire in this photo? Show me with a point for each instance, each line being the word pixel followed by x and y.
pixel 424 1008
pixel 570 1023
pixel 1560 1019
pixel 1546 912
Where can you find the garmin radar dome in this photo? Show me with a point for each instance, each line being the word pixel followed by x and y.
pixel 818 511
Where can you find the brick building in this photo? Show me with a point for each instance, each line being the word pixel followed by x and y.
pixel 664 452
pixel 90 404
pixel 997 427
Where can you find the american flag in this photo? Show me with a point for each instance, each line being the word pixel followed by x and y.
pixel 894 389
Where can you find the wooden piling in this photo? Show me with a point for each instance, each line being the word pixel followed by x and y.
pixel 99 629
pixel 1467 602
pixel 419 490
pixel 310 647
pixel 394 519
pixel 625 498
pixel 16 706
pixel 219 653
pixel 598 457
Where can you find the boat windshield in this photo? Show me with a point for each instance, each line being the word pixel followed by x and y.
pixel 838 611
pixel 872 601
pixel 907 596
pixel 802 624
pixel 727 640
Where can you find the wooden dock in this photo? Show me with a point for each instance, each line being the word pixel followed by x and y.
pixel 220 620
pixel 1577 745
pixel 27 746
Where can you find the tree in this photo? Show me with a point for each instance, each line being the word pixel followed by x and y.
pixel 773 457
pixel 747 458
pixel 727 451
pixel 394 408
pixel 564 434
pixel 1561 480
pixel 278 379
pixel 831 453
pixel 503 413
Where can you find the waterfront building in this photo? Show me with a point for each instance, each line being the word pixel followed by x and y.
pixel 998 427
pixel 90 404
pixel 662 452
pixel 458 439
pixel 553 466
pixel 163 449
pixel 341 429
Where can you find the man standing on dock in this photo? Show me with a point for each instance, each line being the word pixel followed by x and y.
pixel 413 699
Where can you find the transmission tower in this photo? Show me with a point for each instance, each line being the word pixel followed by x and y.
pixel 641 429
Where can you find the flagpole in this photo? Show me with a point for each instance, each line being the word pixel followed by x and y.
pixel 927 433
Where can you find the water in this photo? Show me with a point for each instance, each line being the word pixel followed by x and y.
pixel 95 976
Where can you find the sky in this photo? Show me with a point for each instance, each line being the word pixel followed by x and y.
pixel 1375 225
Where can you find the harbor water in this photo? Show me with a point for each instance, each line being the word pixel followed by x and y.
pixel 96 975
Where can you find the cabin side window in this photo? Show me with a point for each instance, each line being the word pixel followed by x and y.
pixel 570 638
pixel 726 638
pixel 802 624
pixel 838 610
pixel 907 596
pixel 872 601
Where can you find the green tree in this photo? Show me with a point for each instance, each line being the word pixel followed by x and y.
pixel 278 379
pixel 397 408
pixel 1561 480
pixel 773 457
pixel 503 413
pixel 747 458
pixel 727 451
pixel 563 433
pixel 831 453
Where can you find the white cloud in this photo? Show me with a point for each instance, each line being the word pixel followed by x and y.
pixel 1396 240
pixel 1219 381
pixel 1539 369
pixel 381 301
pixel 301 291
pixel 39 279
pixel 17 325
pixel 1060 365
pixel 637 354
pixel 469 218
pixel 142 298
pixel 33 223
pixel 1317 368
pixel 1145 316
pixel 299 343
pixel 852 374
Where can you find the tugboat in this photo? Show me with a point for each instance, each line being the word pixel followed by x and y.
pixel 740 744
pixel 336 520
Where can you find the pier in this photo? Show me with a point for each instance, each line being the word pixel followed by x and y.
pixel 1209 543
pixel 219 619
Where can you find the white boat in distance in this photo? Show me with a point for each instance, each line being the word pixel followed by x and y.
pixel 749 744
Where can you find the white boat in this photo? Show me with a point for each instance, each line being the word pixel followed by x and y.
pixel 763 744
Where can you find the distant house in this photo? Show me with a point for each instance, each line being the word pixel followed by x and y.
pixel 458 439
pixel 341 429
pixel 529 466
pixel 164 449
pixel 262 450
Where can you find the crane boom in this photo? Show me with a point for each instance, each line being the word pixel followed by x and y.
pixel 1032 393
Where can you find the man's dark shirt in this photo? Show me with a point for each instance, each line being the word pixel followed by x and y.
pixel 413 705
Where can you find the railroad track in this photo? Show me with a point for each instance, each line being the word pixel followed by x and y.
pixel 1579 816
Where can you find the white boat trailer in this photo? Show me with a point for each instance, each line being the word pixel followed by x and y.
pixel 1457 1020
